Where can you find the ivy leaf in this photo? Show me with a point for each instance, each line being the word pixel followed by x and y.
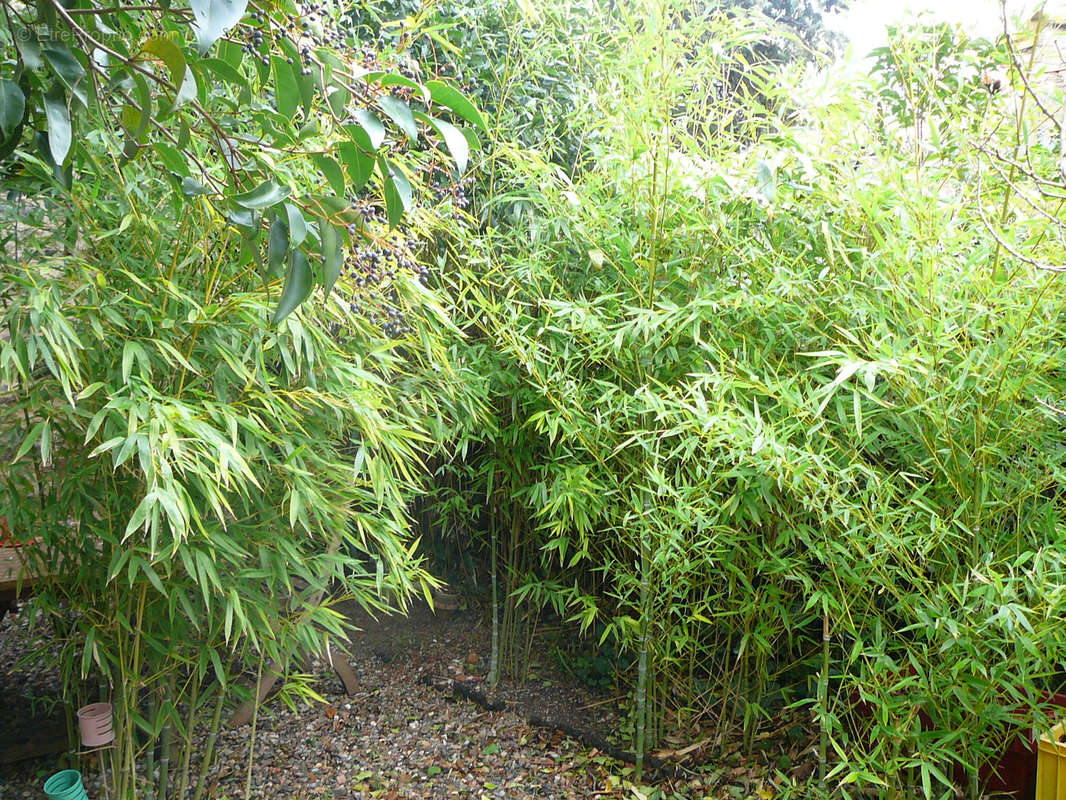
pixel 332 255
pixel 59 131
pixel 12 108
pixel 214 18
pixel 451 98
pixel 264 195
pixel 297 286
pixel 398 112
pixel 453 139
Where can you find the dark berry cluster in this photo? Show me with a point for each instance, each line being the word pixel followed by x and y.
pixel 385 312
pixel 316 24
pixel 366 209
pixel 444 185
pixel 372 268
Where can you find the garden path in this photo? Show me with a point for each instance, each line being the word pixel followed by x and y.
pixel 406 734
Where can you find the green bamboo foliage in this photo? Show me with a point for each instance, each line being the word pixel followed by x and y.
pixel 761 313
pixel 204 485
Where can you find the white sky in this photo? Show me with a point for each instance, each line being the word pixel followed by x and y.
pixel 865 21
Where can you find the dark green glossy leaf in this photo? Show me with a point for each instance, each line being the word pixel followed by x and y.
pixel 393 204
pixel 59 130
pixel 451 98
pixel 130 150
pixel 187 91
pixel 307 88
pixel 368 132
pixel 135 118
pixel 398 194
pixel 243 218
pixel 224 71
pixel 393 173
pixel 164 49
pixel 12 108
pixel 332 254
pixel 28 46
pixel 264 195
pixel 453 139
pixel 277 247
pixel 332 171
pixel 337 210
pixel 64 63
pixel 214 18
pixel 358 164
pixel 297 286
pixel 232 53
pixel 172 158
pixel 338 100
pixel 191 186
pixel 398 111
pixel 395 79
pixel 287 93
pixel 297 224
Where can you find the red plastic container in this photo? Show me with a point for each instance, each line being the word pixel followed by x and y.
pixel 1015 771
pixel 1013 774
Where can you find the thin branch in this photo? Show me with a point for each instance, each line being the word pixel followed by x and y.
pixel 1006 245
pixel 1022 72
pixel 115 9
pixel 1050 407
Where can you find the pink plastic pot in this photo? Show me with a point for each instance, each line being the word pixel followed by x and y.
pixel 95 724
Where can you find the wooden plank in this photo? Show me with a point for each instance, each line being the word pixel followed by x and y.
pixel 42 738
pixel 10 568
pixel 13 576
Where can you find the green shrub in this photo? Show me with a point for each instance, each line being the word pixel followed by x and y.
pixel 761 380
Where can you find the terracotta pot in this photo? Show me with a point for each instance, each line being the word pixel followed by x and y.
pixel 95 724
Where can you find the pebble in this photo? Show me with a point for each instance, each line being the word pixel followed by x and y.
pixel 389 734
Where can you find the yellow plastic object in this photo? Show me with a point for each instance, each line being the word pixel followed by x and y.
pixel 1051 765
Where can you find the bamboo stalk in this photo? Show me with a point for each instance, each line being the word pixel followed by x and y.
pixel 209 751
pixel 190 717
pixel 153 715
pixel 494 658
pixel 255 720
pixel 165 740
pixel 823 702
pixel 642 662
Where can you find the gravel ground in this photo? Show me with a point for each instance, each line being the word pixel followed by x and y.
pixel 397 737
